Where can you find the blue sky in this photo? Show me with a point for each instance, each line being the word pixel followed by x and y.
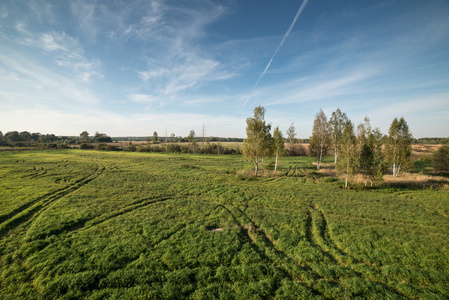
pixel 128 68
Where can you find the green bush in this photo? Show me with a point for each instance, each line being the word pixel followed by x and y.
pixel 440 159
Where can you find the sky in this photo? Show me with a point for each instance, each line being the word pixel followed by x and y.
pixel 129 68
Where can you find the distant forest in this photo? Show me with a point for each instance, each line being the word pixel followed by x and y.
pixel 432 141
pixel 27 139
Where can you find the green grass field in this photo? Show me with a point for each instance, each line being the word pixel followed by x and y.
pixel 100 225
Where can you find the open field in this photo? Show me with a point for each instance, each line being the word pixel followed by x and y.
pixel 97 225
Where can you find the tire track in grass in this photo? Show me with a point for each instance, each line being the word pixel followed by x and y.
pixel 433 212
pixel 312 238
pixel 18 210
pixel 260 242
pixel 312 230
pixel 125 210
pixel 177 229
pixel 334 245
pixel 86 224
pixel 323 238
pixel 28 212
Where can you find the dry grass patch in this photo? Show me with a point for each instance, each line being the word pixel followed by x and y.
pixel 418 180
pixel 419 151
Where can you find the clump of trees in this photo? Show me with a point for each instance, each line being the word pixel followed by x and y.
pixel 361 150
pixel 34 140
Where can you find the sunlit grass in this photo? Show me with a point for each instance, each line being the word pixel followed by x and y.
pixel 87 224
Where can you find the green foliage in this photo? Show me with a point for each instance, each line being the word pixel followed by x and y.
pixel 258 138
pixel 85 146
pixel 398 145
pixel 432 141
pixel 337 123
pixel 84 137
pixel 154 139
pixel 192 140
pixel 101 138
pixel 371 160
pixel 440 159
pixel 321 137
pixel 347 163
pixel 278 145
pixel 100 225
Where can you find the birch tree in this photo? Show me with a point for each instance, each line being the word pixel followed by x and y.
pixel 192 140
pixel 337 122
pixel 166 142
pixel 203 133
pixel 258 137
pixel 398 147
pixel 291 136
pixel 347 162
pixel 278 145
pixel 154 137
pixel 378 162
pixel 320 140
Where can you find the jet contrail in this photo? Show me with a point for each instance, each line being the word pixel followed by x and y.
pixel 303 5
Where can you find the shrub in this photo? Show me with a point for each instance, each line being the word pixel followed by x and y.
pixel 440 159
pixel 111 148
pixel 100 147
pixel 85 146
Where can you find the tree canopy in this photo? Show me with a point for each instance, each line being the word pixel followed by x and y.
pixel 256 144
pixel 320 140
pixel 398 147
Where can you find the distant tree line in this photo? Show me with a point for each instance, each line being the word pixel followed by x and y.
pixel 27 139
pixel 432 141
pixel 174 139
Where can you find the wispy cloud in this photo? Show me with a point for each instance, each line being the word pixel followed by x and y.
pixel 38 84
pixel 300 10
pixel 175 62
pixel 65 51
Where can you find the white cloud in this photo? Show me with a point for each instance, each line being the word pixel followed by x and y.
pixel 65 51
pixel 38 84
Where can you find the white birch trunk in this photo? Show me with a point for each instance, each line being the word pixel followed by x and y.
pixel 335 155
pixel 319 160
pixel 257 167
pixel 276 163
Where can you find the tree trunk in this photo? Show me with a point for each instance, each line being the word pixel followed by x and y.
pixel 276 163
pixel 335 155
pixel 347 169
pixel 319 160
pixel 257 167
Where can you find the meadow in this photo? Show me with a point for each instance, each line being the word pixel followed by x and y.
pixel 126 225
